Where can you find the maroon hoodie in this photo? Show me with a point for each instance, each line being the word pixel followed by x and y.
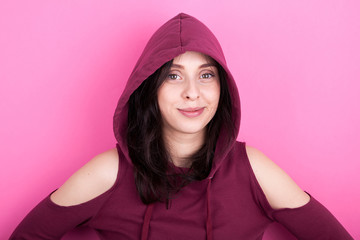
pixel 229 204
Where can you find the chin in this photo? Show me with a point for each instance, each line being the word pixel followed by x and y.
pixel 193 130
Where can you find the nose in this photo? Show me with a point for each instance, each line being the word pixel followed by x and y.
pixel 191 90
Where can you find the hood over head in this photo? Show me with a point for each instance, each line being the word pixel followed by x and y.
pixel 180 34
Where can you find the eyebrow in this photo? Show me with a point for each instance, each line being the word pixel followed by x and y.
pixel 174 65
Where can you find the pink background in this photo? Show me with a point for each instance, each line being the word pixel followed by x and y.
pixel 63 65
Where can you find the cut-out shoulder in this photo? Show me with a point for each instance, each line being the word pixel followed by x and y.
pixel 280 190
pixel 94 178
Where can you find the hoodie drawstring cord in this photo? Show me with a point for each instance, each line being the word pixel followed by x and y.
pixel 150 208
pixel 146 224
pixel 209 235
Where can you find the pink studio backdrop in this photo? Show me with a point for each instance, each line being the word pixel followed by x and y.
pixel 63 65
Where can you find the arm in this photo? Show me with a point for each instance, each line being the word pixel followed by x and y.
pixel 300 213
pixel 90 181
pixel 280 190
pixel 74 203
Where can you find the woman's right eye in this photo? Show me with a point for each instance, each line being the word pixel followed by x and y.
pixel 173 76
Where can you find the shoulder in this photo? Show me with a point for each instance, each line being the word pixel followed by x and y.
pixel 280 190
pixel 94 178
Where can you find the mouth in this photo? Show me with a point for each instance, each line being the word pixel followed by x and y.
pixel 191 112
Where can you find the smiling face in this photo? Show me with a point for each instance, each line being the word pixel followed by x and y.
pixel 189 96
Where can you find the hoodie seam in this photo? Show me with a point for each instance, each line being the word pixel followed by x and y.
pixel 181 45
pixel 120 174
pixel 260 196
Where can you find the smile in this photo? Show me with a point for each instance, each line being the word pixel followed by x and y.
pixel 191 112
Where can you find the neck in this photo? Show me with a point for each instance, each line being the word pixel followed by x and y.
pixel 183 145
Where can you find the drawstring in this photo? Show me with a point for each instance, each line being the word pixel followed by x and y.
pixel 150 208
pixel 208 218
pixel 146 224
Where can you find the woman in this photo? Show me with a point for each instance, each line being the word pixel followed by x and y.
pixel 177 171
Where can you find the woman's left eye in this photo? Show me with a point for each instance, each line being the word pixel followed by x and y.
pixel 207 75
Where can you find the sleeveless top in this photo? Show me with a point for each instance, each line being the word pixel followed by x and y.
pixel 238 210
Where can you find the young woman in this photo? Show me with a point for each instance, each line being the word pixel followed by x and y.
pixel 177 171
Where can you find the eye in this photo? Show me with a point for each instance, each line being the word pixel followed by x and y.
pixel 173 76
pixel 207 75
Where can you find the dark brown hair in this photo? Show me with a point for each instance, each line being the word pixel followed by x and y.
pixel 155 177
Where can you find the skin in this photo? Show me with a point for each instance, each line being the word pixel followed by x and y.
pixel 193 83
pixel 189 85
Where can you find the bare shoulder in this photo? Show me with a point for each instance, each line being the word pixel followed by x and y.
pixel 94 178
pixel 280 190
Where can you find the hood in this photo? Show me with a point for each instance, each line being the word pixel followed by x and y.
pixel 180 34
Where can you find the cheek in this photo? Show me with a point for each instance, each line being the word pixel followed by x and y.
pixel 213 95
pixel 165 97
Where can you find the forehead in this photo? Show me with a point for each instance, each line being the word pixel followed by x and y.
pixel 192 57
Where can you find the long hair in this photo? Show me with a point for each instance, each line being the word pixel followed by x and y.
pixel 155 178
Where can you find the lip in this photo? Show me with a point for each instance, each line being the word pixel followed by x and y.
pixel 191 112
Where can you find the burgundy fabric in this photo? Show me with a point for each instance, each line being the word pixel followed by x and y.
pixel 228 205
pixel 239 210
pixel 146 224
pixel 305 222
pixel 180 34
pixel 209 234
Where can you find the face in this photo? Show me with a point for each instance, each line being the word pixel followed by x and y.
pixel 189 96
